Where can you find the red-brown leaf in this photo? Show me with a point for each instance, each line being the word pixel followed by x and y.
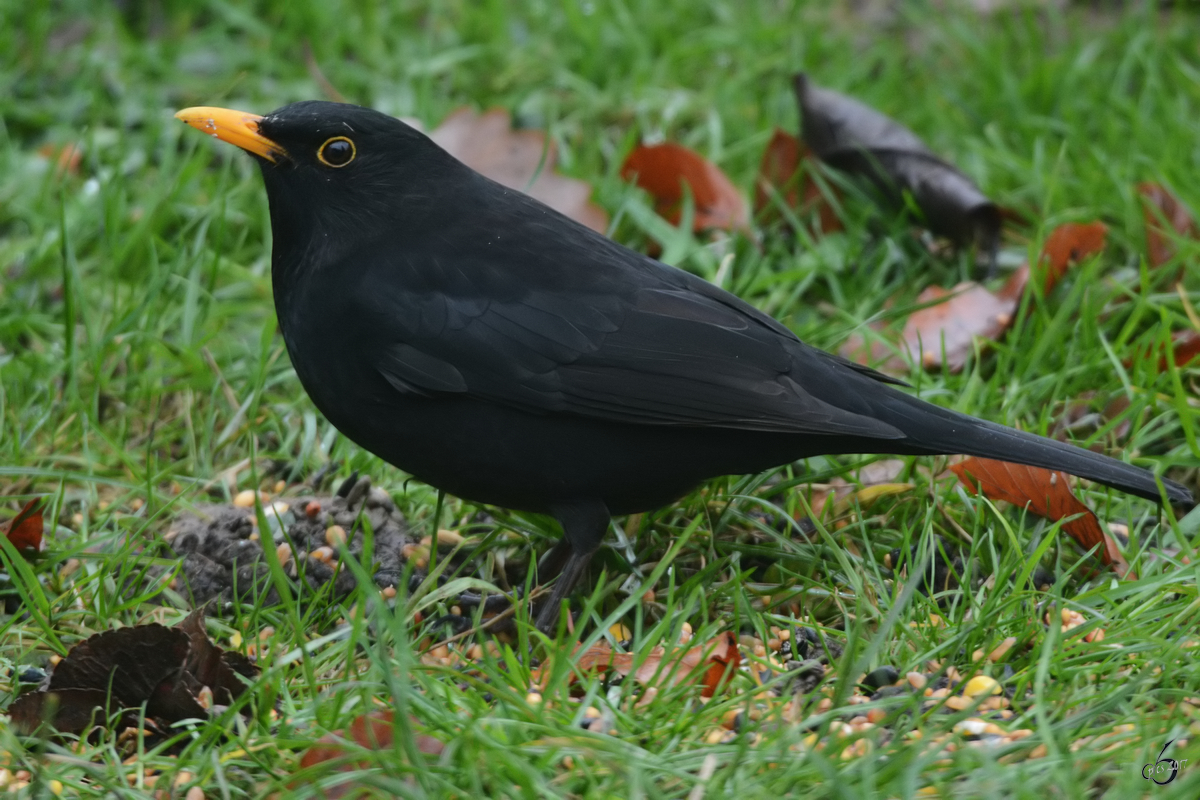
pixel 969 310
pixel 1067 245
pixel 1166 218
pixel 26 528
pixel 1045 493
pixel 664 169
pixel 786 171
pixel 372 731
pixel 708 663
pixel 958 316
pixel 520 159
pixel 1185 346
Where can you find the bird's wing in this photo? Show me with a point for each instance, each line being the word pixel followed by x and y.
pixel 666 352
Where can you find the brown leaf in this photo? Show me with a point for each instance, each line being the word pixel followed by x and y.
pixel 1045 493
pixel 853 137
pixel 373 731
pixel 951 325
pixel 708 663
pixel 66 158
pixel 212 666
pixel 26 528
pixel 944 331
pixel 664 169
pixel 1084 416
pixel 1068 244
pixel 128 667
pixel 1166 218
pixel 786 171
pixel 1185 346
pixel 519 159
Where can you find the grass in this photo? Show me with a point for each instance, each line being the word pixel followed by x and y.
pixel 139 359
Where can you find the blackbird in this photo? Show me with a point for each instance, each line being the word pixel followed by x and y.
pixel 500 351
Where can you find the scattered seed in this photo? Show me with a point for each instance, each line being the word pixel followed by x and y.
pixel 335 536
pixel 876 716
pixel 194 793
pixel 916 680
pixel 533 698
pixel 981 684
pixel 324 554
pixel 958 703
pixel 312 509
pixel 977 655
pixel 389 592
pixel 280 486
pixel 205 697
pixel 1039 752
pixel 1002 649
pixel 244 498
pixel 973 727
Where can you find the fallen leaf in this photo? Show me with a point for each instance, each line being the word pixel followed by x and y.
pixel 1166 219
pixel 855 138
pixel 944 331
pixel 1185 346
pixel 1084 416
pixel 373 731
pixel 709 663
pixel 519 159
pixel 1045 493
pixel 1068 244
pixel 25 529
pixel 125 668
pixel 786 172
pixel 66 158
pixel 665 169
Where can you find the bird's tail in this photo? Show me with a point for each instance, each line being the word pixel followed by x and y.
pixel 940 430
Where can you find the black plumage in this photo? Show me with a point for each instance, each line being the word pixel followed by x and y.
pixel 496 349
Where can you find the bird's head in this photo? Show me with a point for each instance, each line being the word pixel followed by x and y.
pixel 335 173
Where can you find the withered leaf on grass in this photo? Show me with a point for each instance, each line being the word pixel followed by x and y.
pixel 1166 219
pixel 26 528
pixel 786 173
pixel 943 332
pixel 708 663
pixel 373 731
pixel 124 668
pixel 1045 493
pixel 859 140
pixel 520 159
pixel 665 169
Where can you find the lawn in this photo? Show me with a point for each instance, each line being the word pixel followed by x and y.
pixel 142 375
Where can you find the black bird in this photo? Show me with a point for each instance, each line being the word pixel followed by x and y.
pixel 498 350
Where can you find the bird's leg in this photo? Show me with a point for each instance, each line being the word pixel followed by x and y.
pixel 584 526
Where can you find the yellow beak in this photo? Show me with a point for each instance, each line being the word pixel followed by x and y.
pixel 236 127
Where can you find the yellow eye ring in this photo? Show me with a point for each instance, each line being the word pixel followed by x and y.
pixel 335 153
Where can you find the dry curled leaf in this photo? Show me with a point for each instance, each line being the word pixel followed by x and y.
pixel 1045 493
pixel 125 668
pixel 664 170
pixel 786 173
pixel 26 528
pixel 374 731
pixel 857 139
pixel 1166 219
pixel 710 663
pixel 519 159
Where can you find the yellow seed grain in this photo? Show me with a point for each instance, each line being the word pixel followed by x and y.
pixel 981 684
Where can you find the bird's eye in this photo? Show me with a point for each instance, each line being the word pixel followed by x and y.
pixel 336 152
